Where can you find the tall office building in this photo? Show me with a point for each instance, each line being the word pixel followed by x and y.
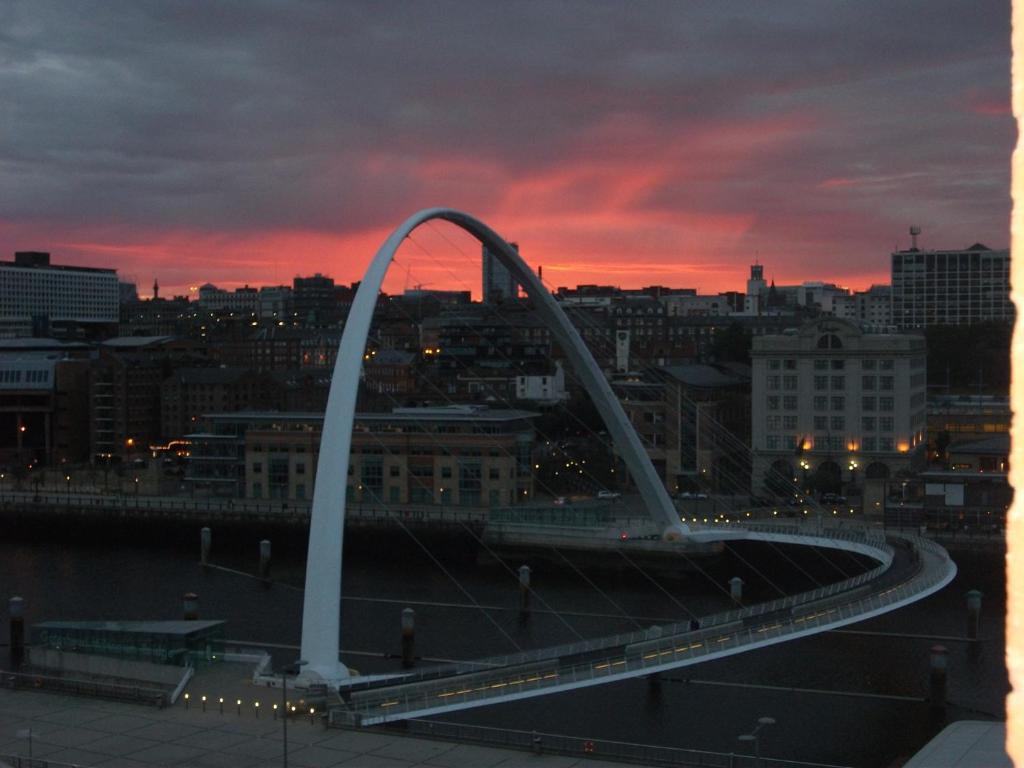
pixel 950 287
pixel 36 296
pixel 499 285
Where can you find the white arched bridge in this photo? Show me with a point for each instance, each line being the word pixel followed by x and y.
pixel 908 568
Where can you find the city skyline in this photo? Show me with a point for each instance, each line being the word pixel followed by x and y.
pixel 251 145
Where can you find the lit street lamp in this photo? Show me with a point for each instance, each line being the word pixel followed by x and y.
pixel 291 669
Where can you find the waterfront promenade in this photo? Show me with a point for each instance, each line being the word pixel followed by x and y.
pixel 86 732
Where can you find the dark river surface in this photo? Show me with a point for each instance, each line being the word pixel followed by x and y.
pixel 84 574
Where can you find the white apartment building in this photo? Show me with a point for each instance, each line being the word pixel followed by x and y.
pixel 242 301
pixel 31 289
pixel 830 400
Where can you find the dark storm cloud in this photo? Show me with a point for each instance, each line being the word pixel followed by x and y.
pixel 328 116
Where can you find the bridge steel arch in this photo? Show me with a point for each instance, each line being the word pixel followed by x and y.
pixel 321 610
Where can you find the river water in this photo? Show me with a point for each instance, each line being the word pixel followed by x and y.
pixel 74 575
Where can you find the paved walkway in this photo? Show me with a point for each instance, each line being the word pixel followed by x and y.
pixel 90 732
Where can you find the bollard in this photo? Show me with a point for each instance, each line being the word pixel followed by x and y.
pixel 736 588
pixel 265 559
pixel 205 540
pixel 16 611
pixel 190 603
pixel 938 663
pixel 408 637
pixel 973 613
pixel 524 592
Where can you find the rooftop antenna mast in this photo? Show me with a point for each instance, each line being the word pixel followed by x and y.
pixel 914 232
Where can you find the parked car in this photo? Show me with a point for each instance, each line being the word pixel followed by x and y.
pixel 608 494
pixel 561 501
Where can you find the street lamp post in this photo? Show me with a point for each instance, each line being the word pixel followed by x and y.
pixel 291 669
pixel 753 737
pixel 67 479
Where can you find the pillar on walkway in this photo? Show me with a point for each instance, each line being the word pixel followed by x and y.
pixel 265 559
pixel 205 540
pixel 938 663
pixel 190 606
pixel 973 613
pixel 736 588
pixel 524 591
pixel 16 612
pixel 408 638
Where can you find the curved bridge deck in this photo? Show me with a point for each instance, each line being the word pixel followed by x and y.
pixel 910 568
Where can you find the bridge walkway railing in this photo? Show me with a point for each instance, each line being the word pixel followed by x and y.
pixel 642 658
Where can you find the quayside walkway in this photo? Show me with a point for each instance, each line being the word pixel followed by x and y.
pixel 910 568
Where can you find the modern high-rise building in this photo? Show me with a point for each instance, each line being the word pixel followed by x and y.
pixel 38 296
pixel 499 285
pixel 950 287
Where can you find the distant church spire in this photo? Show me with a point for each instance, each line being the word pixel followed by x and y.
pixel 156 288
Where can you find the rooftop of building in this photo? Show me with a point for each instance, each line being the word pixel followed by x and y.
pixel 701 375
pixel 136 342
pixel 975 248
pixel 40 260
pixel 447 413
pixel 174 627
pixel 41 344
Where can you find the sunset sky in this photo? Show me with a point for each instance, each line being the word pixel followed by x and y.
pixel 629 143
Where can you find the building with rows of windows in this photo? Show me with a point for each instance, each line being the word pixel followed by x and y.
pixel 950 287
pixel 37 295
pixel 461 455
pixel 833 405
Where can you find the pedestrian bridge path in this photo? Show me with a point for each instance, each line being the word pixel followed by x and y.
pixel 909 569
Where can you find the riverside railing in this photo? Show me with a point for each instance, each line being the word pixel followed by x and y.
pixel 94 688
pixel 642 658
pixel 598 749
